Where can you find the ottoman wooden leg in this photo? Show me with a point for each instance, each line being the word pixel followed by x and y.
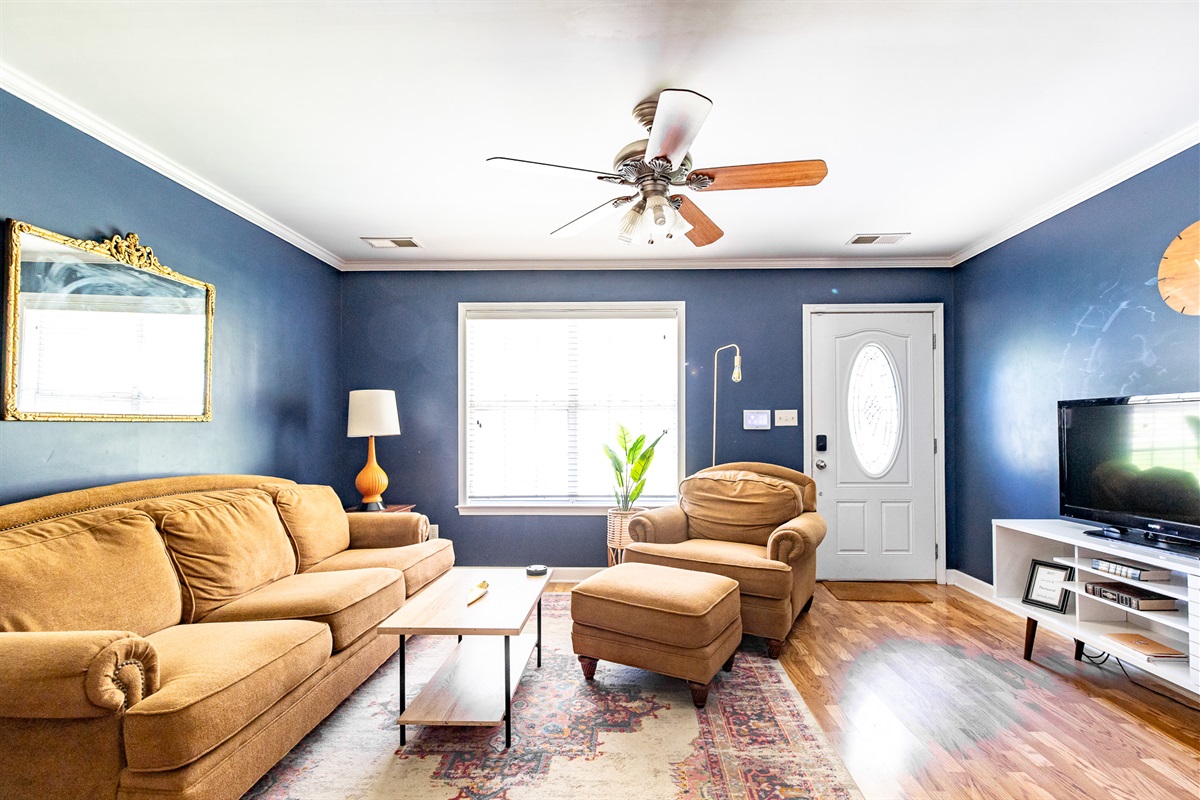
pixel 774 648
pixel 699 693
pixel 728 665
pixel 589 666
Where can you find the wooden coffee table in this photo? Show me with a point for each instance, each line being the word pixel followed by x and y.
pixel 462 691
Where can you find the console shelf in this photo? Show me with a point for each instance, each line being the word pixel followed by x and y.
pixel 1087 620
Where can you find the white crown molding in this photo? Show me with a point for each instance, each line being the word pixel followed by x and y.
pixel 1143 161
pixel 58 106
pixel 665 264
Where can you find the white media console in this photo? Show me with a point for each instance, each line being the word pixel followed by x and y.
pixel 1017 542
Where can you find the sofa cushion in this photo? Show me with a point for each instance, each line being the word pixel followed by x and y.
pixel 350 602
pixel 225 545
pixel 738 506
pixel 316 521
pixel 421 563
pixel 747 564
pixel 97 570
pixel 214 680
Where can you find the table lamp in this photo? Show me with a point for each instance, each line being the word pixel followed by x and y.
pixel 372 413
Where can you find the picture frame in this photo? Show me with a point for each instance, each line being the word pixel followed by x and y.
pixel 1044 587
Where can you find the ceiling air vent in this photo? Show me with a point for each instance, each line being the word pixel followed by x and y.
pixel 387 241
pixel 877 238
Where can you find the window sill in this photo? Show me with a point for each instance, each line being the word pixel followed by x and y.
pixel 483 509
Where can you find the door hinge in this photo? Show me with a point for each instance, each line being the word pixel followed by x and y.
pixel 935 341
pixel 935 551
pixel 935 447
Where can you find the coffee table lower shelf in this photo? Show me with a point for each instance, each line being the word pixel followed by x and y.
pixel 467 688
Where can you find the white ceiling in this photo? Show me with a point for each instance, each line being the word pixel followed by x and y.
pixel 960 122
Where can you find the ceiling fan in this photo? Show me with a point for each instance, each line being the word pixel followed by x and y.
pixel 655 166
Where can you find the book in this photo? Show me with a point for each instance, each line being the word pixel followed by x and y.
pixel 1154 651
pixel 1130 571
pixel 1134 597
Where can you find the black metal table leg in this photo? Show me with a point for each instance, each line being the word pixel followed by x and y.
pixel 539 639
pixel 507 698
pixel 401 654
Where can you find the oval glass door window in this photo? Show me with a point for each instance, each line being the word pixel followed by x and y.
pixel 873 410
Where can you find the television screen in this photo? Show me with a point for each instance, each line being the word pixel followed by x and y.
pixel 1132 462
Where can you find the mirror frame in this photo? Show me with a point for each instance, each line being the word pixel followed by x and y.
pixel 127 251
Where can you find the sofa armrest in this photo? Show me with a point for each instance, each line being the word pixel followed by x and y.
pixel 666 525
pixel 74 674
pixel 381 529
pixel 796 537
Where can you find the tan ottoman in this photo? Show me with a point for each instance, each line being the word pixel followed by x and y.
pixel 671 621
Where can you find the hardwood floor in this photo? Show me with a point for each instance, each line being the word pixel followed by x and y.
pixel 933 700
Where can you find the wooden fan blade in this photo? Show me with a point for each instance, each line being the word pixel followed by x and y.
pixel 764 176
pixel 586 220
pixel 704 230
pixel 540 166
pixel 677 120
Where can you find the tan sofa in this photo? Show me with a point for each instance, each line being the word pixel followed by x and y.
pixel 756 523
pixel 174 638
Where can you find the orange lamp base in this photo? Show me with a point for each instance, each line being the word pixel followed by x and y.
pixel 371 481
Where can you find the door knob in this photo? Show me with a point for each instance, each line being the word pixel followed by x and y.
pixel 820 463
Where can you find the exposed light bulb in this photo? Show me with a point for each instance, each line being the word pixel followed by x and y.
pixel 737 369
pixel 661 212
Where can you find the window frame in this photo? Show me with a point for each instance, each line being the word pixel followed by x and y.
pixel 533 310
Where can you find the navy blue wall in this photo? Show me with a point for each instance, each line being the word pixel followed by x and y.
pixel 1067 309
pixel 277 403
pixel 400 331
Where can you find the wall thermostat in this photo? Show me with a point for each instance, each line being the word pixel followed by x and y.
pixel 756 420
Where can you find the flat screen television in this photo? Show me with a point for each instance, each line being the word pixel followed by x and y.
pixel 1132 465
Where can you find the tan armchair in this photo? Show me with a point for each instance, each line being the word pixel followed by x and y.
pixel 756 523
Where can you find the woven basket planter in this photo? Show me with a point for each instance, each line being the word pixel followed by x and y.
pixel 618 533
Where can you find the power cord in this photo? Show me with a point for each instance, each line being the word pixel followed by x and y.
pixel 1102 657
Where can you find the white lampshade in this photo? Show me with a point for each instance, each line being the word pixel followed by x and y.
pixel 373 413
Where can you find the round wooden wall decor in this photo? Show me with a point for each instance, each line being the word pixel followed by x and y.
pixel 1179 272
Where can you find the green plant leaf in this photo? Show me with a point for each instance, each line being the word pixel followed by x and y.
pixel 641 465
pixel 636 493
pixel 617 465
pixel 635 449
pixel 623 438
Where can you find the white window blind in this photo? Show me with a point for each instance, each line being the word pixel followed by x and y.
pixel 544 386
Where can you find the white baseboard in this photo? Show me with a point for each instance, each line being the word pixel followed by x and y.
pixel 572 574
pixel 969 583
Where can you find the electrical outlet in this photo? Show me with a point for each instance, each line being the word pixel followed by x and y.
pixel 786 416
pixel 433 534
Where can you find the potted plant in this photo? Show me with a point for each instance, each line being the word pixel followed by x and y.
pixel 629 467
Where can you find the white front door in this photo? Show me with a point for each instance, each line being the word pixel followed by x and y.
pixel 872 421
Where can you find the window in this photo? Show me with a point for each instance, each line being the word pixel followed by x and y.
pixel 873 409
pixel 542 386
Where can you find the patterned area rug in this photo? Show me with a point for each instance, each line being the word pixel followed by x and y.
pixel 629 735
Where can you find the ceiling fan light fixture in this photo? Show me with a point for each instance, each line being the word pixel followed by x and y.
pixel 631 220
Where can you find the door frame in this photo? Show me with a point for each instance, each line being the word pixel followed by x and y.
pixel 939 398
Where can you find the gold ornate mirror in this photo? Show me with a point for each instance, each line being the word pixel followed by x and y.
pixel 102 331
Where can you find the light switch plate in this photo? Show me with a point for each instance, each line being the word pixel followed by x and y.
pixel 786 416
pixel 756 420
